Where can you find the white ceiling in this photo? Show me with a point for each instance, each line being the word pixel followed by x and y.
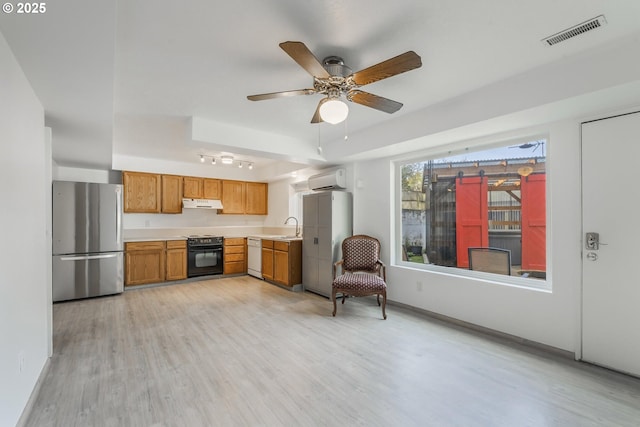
pixel 123 80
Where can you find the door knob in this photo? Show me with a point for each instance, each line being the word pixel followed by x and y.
pixel 592 256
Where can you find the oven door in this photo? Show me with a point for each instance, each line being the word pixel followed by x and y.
pixel 204 261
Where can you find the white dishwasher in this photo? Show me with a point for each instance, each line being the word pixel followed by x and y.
pixel 254 256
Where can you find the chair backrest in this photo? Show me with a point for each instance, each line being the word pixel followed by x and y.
pixel 360 253
pixel 490 260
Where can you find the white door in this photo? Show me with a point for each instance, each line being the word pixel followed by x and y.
pixel 610 284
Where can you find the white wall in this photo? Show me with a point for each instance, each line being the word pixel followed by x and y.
pixel 24 288
pixel 65 173
pixel 551 318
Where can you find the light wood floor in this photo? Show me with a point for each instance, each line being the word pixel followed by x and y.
pixel 240 352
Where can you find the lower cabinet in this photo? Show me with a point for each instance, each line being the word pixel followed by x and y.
pixel 144 262
pixel 234 255
pixel 155 261
pixel 267 259
pixel 176 260
pixel 282 261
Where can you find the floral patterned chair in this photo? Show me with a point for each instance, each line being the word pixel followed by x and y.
pixel 363 273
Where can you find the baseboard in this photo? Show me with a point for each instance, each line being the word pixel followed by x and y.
pixel 34 393
pixel 488 331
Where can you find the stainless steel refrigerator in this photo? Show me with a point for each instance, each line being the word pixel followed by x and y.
pixel 88 251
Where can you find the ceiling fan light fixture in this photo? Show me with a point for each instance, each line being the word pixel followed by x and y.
pixel 333 111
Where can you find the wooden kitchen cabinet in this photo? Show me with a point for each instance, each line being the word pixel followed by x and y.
pixel 233 195
pixel 142 192
pixel 156 193
pixel 171 194
pixel 244 198
pixel 282 259
pixel 211 189
pixel 257 197
pixel 176 260
pixel 267 259
pixel 234 255
pixel 193 187
pixel 201 188
pixel 144 262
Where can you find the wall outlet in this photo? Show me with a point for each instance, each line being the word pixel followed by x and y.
pixel 419 286
pixel 21 361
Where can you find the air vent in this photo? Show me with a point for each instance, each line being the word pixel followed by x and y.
pixel 576 30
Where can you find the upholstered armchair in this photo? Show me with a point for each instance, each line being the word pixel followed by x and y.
pixel 362 272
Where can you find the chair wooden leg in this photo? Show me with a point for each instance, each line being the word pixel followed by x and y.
pixel 378 299
pixel 384 304
pixel 333 298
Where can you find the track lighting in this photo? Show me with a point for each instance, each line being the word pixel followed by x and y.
pixel 226 160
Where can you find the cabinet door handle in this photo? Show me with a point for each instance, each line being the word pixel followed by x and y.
pixel 315 240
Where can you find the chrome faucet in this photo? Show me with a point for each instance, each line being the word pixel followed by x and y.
pixel 286 221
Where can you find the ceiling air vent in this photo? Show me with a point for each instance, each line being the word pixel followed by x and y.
pixel 576 30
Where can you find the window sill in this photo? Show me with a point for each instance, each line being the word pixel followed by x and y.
pixel 497 279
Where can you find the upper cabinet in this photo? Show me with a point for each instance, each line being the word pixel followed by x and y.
pixel 142 192
pixel 171 194
pixel 244 198
pixel 192 187
pixel 201 188
pixel 152 193
pixel 233 195
pixel 212 189
pixel 156 193
pixel 257 198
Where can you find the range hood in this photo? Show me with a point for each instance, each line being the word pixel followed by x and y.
pixel 201 204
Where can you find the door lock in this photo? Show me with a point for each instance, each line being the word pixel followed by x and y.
pixel 592 241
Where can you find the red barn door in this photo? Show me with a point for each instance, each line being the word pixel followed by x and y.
pixel 534 230
pixel 472 218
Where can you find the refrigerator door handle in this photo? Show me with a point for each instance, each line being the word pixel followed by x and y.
pixel 88 257
pixel 118 216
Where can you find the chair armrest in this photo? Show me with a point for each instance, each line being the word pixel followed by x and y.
pixel 335 267
pixel 382 267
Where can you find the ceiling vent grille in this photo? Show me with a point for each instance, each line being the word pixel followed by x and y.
pixel 576 30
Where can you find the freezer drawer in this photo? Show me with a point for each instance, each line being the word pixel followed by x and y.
pixel 83 276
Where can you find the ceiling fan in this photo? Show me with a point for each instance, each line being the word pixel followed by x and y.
pixel 334 79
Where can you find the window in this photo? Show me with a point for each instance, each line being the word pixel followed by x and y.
pixel 456 208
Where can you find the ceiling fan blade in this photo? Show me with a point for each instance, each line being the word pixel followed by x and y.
pixel 316 116
pixel 389 68
pixel 303 56
pixel 263 96
pixel 374 101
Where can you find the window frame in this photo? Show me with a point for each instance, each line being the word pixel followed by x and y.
pixel 493 278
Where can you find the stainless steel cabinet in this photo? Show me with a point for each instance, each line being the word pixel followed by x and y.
pixel 326 222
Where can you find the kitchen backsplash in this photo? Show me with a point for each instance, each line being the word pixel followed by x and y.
pixel 190 218
pixel 197 221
